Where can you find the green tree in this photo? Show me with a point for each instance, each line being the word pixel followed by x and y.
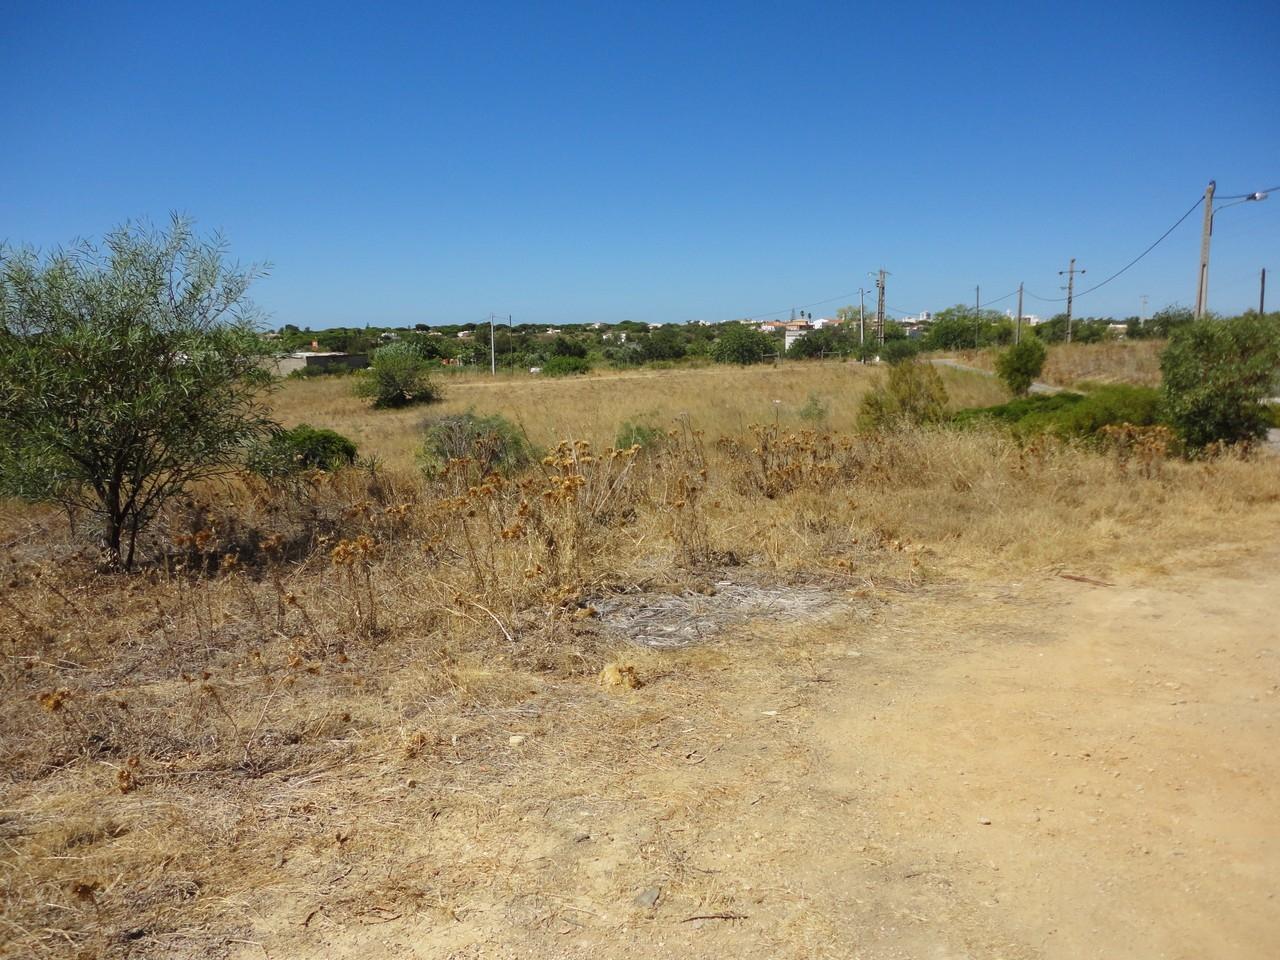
pixel 959 328
pixel 398 376
pixel 826 342
pixel 665 343
pixel 952 329
pixel 562 346
pixel 127 371
pixel 1217 373
pixel 740 344
pixel 1019 366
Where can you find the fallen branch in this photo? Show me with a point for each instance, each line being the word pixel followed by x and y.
pixel 716 916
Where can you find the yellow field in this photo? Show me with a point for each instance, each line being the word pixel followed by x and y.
pixel 719 400
pixel 1069 364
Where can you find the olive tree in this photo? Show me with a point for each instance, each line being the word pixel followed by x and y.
pixel 128 371
pixel 1218 375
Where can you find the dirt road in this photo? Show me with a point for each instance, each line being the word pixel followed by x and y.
pixel 1048 769
pixel 1108 791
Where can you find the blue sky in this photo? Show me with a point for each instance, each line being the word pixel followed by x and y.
pixel 403 163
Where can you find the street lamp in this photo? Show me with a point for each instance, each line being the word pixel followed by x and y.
pixel 1202 293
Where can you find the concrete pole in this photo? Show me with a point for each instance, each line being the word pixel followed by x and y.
pixel 1206 233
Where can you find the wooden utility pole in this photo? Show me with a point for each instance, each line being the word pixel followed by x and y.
pixel 1071 272
pixel 1017 330
pixel 1206 232
pixel 880 307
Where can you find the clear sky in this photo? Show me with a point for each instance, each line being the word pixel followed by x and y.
pixel 567 162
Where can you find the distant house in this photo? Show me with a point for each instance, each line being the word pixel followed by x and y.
pixel 321 361
pixel 794 333
pixel 388 336
pixel 773 326
pixel 464 334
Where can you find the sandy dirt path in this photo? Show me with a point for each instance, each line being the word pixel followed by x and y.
pixel 1047 769
pixel 1107 789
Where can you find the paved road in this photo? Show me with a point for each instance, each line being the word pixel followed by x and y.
pixel 1037 387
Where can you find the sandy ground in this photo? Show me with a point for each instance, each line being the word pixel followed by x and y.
pixel 1047 769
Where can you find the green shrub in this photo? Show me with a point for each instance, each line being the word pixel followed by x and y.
pixel 564 366
pixel 492 442
pixel 639 434
pixel 1113 403
pixel 1072 414
pixel 814 410
pixel 742 345
pixel 314 372
pixel 398 376
pixel 899 351
pixel 912 393
pixel 287 452
pixel 1217 373
pixel 1019 366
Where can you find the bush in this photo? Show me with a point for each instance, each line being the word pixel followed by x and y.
pixel 637 434
pixel 899 351
pixel 814 410
pixel 1073 414
pixel 1019 366
pixel 742 345
pixel 492 443
pixel 398 376
pixel 1217 373
pixel 287 452
pixel 562 346
pixel 913 393
pixel 561 366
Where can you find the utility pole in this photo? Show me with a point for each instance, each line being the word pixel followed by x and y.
pixel 1071 272
pixel 1262 294
pixel 1142 320
pixel 880 307
pixel 1202 291
pixel 1017 330
pixel 977 316
pixel 862 317
pixel 493 357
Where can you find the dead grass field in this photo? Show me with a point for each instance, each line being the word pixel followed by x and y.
pixel 719 400
pixel 375 699
pixel 1070 364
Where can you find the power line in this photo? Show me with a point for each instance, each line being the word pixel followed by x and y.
pixel 803 306
pixel 1097 286
pixel 1250 195
pixel 999 299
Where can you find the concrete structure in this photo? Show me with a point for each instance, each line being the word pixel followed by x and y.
pixel 332 361
pixel 794 332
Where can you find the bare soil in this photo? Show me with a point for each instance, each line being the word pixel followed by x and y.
pixel 1055 768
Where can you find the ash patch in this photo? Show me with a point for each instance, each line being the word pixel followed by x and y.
pixel 670 620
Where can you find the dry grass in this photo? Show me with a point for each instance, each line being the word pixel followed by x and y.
pixel 343 702
pixel 1069 364
pixel 719 400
